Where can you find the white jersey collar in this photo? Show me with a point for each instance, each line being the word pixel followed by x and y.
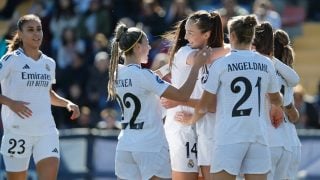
pixel 22 51
pixel 137 65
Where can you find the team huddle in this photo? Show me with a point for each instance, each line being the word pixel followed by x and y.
pixel 228 108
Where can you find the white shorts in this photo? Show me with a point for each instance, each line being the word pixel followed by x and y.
pixel 183 149
pixel 205 147
pixel 280 161
pixel 142 165
pixel 295 162
pixel 17 150
pixel 241 158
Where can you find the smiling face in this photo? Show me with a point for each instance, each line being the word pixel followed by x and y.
pixel 31 34
pixel 196 38
pixel 144 49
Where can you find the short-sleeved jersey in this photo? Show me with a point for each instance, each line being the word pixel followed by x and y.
pixel 138 93
pixel 205 126
pixel 25 79
pixel 293 139
pixel 278 137
pixel 241 79
pixel 287 79
pixel 179 74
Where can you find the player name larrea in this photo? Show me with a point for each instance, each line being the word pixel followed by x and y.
pixel 124 83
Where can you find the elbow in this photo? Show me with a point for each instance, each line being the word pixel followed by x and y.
pixel 294 81
pixel 294 118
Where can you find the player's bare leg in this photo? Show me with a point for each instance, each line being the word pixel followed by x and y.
pixel 223 175
pixel 47 169
pixel 255 176
pixel 17 175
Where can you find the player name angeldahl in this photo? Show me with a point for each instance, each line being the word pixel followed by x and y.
pixel 247 66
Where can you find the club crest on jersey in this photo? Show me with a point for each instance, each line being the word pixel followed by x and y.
pixel 205 74
pixel 204 78
pixel 159 80
pixel 190 163
pixel 47 67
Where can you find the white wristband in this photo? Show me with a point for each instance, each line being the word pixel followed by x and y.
pixel 164 70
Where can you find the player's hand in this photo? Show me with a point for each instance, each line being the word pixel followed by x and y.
pixel 75 110
pixel 184 117
pixel 20 108
pixel 276 115
pixel 167 103
pixel 203 56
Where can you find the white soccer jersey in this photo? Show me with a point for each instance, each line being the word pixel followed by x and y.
pixel 24 79
pixel 287 73
pixel 138 92
pixel 278 137
pixel 205 126
pixel 241 79
pixel 291 128
pixel 180 71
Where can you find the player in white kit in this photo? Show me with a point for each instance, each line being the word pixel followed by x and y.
pixel 280 148
pixel 238 83
pixel 142 150
pixel 200 29
pixel 26 76
pixel 284 52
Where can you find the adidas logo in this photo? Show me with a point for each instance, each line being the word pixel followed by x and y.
pixel 26 67
pixel 55 150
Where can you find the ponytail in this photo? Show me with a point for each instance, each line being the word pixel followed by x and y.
pixel 14 44
pixel 176 36
pixel 124 41
pixel 288 55
pixel 113 72
pixel 282 48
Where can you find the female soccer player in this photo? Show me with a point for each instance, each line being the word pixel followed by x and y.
pixel 200 29
pixel 142 150
pixel 284 52
pixel 238 83
pixel 26 76
pixel 281 150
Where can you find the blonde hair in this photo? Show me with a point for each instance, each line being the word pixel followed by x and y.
pixel 124 41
